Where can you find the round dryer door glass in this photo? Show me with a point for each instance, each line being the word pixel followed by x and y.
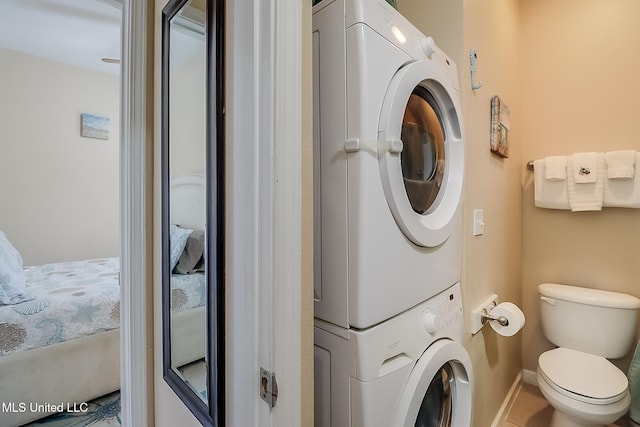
pixel 436 407
pixel 423 155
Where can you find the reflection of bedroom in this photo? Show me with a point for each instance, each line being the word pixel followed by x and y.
pixel 187 198
pixel 188 102
pixel 59 246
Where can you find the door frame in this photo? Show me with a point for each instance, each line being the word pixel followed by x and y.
pixel 264 122
pixel 136 264
pixel 264 46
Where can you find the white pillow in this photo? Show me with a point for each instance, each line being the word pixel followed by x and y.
pixel 178 240
pixel 12 282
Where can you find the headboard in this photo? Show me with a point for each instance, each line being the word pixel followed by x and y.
pixel 187 199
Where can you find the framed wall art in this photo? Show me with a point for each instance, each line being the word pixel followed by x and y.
pixel 500 127
pixel 92 126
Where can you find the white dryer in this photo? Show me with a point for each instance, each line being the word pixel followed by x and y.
pixel 409 371
pixel 389 164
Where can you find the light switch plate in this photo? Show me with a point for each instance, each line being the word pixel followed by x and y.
pixel 478 222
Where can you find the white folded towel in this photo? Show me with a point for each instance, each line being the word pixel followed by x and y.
pixel 620 164
pixel 623 193
pixel 555 168
pixel 584 167
pixel 586 196
pixel 548 194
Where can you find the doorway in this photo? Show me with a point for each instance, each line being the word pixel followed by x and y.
pixel 60 118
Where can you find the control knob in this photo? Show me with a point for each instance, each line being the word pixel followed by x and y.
pixel 428 46
pixel 432 322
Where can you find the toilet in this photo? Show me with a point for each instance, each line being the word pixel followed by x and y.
pixel 589 326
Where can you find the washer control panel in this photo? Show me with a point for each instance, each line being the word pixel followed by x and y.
pixel 401 340
pixel 443 312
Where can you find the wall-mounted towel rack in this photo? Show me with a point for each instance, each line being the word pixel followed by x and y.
pixel 556 183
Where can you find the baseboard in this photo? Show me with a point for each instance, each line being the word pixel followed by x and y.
pixel 508 400
pixel 529 377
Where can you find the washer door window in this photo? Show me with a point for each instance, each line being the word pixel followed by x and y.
pixel 423 155
pixel 435 410
pixel 438 392
pixel 422 181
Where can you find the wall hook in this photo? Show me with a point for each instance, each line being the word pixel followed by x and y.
pixel 473 57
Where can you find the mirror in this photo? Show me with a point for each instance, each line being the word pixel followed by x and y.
pixel 192 205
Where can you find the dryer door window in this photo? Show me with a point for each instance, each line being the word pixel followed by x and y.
pixel 423 154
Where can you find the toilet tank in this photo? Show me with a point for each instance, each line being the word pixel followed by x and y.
pixel 588 320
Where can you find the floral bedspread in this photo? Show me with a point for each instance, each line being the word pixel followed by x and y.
pixel 67 300
pixel 75 299
pixel 187 291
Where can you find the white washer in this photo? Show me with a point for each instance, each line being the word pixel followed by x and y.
pixel 409 371
pixel 389 164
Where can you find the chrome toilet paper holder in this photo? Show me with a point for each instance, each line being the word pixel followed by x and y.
pixel 487 316
pixel 505 318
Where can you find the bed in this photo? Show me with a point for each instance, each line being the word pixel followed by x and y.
pixel 188 289
pixel 59 336
pixel 67 329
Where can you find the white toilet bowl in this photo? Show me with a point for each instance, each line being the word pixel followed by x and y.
pixel 584 389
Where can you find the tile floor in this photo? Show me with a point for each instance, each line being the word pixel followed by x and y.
pixel 530 409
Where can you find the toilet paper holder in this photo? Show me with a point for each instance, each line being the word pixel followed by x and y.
pixel 486 316
pixel 504 318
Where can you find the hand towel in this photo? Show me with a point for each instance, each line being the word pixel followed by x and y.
pixel 620 164
pixel 623 193
pixel 555 168
pixel 586 196
pixel 548 194
pixel 584 167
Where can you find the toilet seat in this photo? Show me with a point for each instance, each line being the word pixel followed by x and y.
pixel 584 377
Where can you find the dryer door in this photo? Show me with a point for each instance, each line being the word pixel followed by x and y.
pixel 422 176
pixel 439 391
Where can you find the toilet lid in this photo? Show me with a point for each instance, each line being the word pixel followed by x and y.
pixel 582 373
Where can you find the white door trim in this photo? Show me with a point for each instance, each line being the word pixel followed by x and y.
pixel 136 362
pixel 287 214
pixel 264 137
pixel 240 224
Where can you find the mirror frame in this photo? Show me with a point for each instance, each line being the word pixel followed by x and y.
pixel 213 413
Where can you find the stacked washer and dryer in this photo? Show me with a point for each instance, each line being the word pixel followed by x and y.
pixel 388 174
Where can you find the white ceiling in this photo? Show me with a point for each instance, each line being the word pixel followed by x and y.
pixel 77 32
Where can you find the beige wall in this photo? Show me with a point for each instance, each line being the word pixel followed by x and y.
pixel 187 154
pixel 441 20
pixel 492 262
pixel 59 190
pixel 580 92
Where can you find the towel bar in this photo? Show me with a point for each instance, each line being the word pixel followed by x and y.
pixel 530 165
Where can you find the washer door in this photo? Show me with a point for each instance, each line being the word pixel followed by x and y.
pixel 422 181
pixel 438 392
